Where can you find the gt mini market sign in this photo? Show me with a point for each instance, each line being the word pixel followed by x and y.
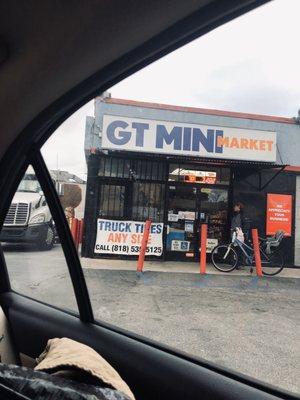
pixel 279 213
pixel 154 136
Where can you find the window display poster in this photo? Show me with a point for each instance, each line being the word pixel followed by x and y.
pixel 186 215
pixel 211 244
pixel 172 217
pixel 189 226
pixel 125 237
pixel 279 213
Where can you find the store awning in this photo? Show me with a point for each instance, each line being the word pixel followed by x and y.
pixel 253 166
pixel 179 159
pixel 257 165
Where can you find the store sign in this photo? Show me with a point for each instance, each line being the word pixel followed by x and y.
pixel 184 245
pixel 125 237
pixel 152 136
pixel 180 245
pixel 279 213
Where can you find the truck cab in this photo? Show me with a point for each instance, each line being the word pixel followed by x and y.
pixel 29 219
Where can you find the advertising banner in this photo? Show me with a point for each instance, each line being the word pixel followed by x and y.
pixel 279 213
pixel 165 137
pixel 125 237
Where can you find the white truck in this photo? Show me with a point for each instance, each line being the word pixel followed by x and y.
pixel 29 219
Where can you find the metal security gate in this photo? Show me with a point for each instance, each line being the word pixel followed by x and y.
pixel 123 188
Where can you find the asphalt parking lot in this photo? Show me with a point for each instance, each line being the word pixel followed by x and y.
pixel 244 323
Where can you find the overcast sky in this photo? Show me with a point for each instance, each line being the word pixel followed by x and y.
pixel 251 64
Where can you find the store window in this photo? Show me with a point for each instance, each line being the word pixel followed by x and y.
pixel 130 168
pixel 112 199
pixel 148 201
pixel 114 167
pixel 148 170
pixel 202 174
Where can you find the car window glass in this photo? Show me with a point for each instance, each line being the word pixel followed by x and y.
pixel 34 257
pixel 201 142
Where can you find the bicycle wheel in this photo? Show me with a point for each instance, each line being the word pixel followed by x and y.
pixel 272 263
pixel 224 258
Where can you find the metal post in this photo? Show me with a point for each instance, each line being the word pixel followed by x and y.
pixel 256 252
pixel 141 258
pixel 203 241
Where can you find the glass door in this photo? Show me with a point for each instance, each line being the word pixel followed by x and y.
pixel 182 223
pixel 214 212
pixel 189 206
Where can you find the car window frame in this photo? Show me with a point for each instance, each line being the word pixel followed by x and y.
pixel 85 312
pixel 52 117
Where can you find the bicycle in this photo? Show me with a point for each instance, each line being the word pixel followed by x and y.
pixel 225 258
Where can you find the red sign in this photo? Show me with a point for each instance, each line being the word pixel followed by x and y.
pixel 279 213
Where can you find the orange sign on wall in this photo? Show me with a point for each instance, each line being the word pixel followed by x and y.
pixel 279 213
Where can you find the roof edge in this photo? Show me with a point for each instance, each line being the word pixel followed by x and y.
pixel 196 110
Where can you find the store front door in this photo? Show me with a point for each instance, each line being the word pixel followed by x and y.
pixel 188 207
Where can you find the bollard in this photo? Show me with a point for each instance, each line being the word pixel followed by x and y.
pixel 256 252
pixel 80 230
pixel 74 231
pixel 203 241
pixel 78 234
pixel 145 238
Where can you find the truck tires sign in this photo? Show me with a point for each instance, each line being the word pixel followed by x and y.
pixel 125 237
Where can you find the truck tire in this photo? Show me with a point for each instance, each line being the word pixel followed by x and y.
pixel 47 240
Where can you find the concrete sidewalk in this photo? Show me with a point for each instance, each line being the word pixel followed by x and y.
pixel 172 266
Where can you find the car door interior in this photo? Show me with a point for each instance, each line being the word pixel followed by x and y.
pixel 152 370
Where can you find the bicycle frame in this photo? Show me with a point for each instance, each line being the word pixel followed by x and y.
pixel 249 257
pixel 244 247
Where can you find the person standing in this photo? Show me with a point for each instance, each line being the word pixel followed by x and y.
pixel 237 222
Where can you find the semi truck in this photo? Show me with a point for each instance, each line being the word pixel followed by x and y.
pixel 29 219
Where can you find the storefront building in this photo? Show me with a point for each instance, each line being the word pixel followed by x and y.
pixel 181 167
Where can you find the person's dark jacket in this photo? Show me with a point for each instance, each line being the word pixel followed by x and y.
pixel 239 220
